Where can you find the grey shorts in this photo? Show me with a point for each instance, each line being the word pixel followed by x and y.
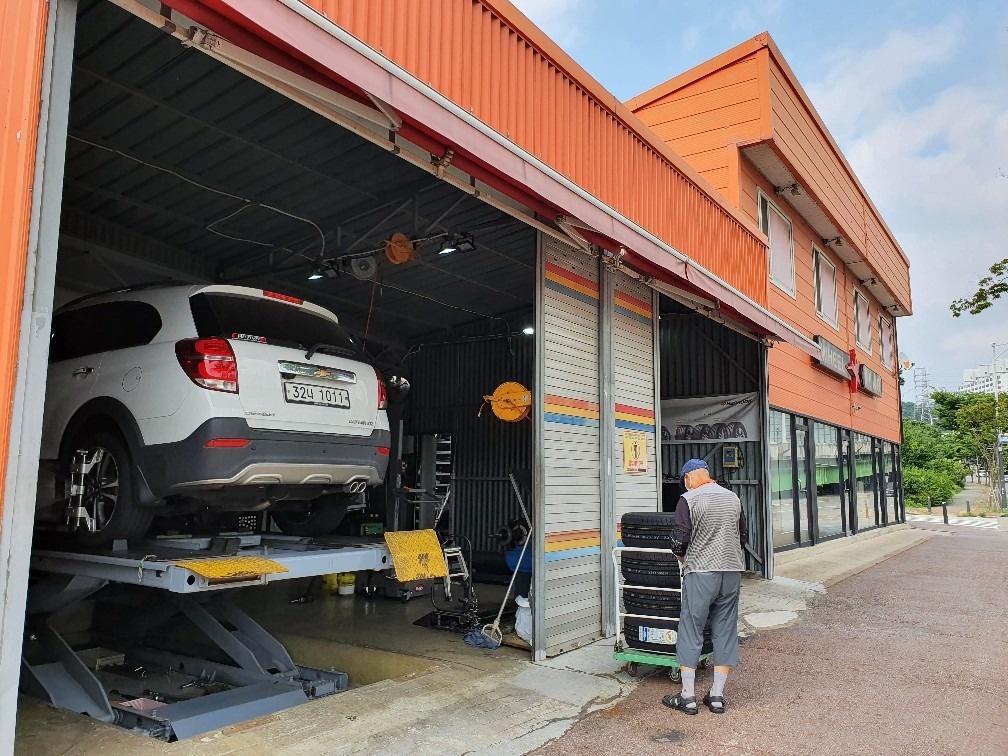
pixel 712 596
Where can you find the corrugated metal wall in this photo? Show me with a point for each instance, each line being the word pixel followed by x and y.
pixel 448 385
pixel 700 357
pixel 22 49
pixel 489 60
pixel 572 558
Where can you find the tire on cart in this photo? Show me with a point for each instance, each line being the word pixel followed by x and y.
pixel 632 668
pixel 675 674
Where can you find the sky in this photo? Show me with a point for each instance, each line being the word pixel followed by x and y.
pixel 914 93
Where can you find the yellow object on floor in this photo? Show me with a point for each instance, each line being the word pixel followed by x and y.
pixel 416 555
pixel 222 569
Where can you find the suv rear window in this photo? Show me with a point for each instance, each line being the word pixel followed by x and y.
pixel 229 316
pixel 102 328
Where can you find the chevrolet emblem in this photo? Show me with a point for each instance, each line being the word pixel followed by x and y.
pixel 322 374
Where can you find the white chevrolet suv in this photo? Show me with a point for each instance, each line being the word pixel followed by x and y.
pixel 195 398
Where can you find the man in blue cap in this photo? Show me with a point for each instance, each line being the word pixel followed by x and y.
pixel 708 535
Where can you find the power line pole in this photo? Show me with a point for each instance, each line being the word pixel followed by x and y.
pixel 925 412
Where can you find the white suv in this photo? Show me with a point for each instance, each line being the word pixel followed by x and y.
pixel 180 399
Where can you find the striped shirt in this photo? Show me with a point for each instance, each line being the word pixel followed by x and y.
pixel 710 530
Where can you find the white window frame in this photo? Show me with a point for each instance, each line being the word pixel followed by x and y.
pixel 888 365
pixel 817 255
pixel 764 224
pixel 866 348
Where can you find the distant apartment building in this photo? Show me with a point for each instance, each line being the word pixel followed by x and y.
pixel 980 380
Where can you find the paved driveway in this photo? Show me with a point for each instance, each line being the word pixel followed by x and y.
pixel 909 657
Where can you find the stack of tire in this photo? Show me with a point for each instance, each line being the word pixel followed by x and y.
pixel 651 530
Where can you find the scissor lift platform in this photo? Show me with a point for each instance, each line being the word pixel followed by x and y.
pixel 187 662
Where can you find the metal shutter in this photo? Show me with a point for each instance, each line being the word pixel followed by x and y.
pixel 570 597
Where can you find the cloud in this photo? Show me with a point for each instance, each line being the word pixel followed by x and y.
pixel 560 19
pixel 929 157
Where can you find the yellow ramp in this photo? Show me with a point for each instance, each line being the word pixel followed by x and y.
pixel 226 569
pixel 416 555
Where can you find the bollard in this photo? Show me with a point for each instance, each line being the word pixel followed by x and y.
pixel 945 511
pixel 967 506
pixel 929 505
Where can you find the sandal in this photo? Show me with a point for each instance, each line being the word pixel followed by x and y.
pixel 715 703
pixel 683 704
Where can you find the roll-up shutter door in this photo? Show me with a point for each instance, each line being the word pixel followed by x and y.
pixel 633 355
pixel 572 560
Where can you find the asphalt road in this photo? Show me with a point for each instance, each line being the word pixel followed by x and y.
pixel 909 657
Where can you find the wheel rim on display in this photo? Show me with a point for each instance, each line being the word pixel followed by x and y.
pixel 101 488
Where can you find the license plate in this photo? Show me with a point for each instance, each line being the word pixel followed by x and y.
pixel 657 635
pixel 324 396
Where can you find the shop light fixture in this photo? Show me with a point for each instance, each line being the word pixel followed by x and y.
pixel 457 243
pixel 528 330
pixel 316 273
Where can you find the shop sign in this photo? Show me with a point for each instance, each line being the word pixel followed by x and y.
pixel 832 358
pixel 634 452
pixel 731 417
pixel 871 381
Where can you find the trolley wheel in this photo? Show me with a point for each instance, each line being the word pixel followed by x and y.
pixel 675 674
pixel 706 663
pixel 632 668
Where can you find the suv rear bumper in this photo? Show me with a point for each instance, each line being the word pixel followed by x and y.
pixel 270 459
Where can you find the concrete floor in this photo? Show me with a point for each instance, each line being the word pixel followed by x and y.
pixel 426 692
pixel 905 657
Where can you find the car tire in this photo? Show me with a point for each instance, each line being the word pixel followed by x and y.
pixel 648 530
pixel 322 517
pixel 655 603
pixel 110 481
pixel 641 569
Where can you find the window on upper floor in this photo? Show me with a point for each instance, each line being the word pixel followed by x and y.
pixel 825 288
pixel 777 227
pixel 862 321
pixel 886 342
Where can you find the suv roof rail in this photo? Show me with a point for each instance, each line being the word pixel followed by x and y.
pixel 123 289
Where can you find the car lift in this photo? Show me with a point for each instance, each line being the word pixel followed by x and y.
pixel 157 677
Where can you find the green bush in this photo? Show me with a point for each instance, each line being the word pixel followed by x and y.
pixel 939 485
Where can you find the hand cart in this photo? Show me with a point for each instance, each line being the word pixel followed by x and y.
pixel 632 656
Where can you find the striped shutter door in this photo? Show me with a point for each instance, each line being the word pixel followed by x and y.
pixel 633 350
pixel 571 462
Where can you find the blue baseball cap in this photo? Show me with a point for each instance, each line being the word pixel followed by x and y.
pixel 691 465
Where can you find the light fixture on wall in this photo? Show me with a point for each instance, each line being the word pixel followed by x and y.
pixel 794 188
pixel 528 330
pixel 869 281
pixel 316 273
pixel 836 241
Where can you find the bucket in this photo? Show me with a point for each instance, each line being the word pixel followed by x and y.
pixel 347 582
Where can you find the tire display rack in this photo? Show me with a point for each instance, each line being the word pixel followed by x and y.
pixel 634 657
pixel 191 661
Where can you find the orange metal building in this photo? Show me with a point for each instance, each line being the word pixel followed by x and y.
pixel 675 194
pixel 744 122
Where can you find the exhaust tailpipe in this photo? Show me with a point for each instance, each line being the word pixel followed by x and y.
pixel 355 486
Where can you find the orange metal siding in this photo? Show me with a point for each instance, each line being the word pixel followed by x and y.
pixel 795 385
pixel 488 58
pixel 824 171
pixel 22 48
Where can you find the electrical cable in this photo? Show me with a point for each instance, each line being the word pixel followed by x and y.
pixel 208 188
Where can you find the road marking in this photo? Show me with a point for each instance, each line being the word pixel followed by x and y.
pixel 984 523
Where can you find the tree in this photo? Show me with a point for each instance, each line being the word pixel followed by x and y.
pixel 972 418
pixel 989 289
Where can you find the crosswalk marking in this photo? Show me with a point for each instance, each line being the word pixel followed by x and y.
pixel 984 523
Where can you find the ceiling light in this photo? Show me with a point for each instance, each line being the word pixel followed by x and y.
pixel 457 243
pixel 316 273
pixel 528 330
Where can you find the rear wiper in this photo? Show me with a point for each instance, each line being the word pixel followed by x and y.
pixel 332 348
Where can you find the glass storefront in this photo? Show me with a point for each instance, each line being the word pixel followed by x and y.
pixel 827 481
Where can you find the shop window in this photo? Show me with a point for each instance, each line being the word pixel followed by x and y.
pixel 865 501
pixel 825 288
pixel 781 454
pixel 862 321
pixel 886 342
pixel 829 481
pixel 777 227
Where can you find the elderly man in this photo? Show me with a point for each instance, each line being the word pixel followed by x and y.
pixel 709 533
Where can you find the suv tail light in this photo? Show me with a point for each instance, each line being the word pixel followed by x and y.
pixel 209 363
pixel 382 393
